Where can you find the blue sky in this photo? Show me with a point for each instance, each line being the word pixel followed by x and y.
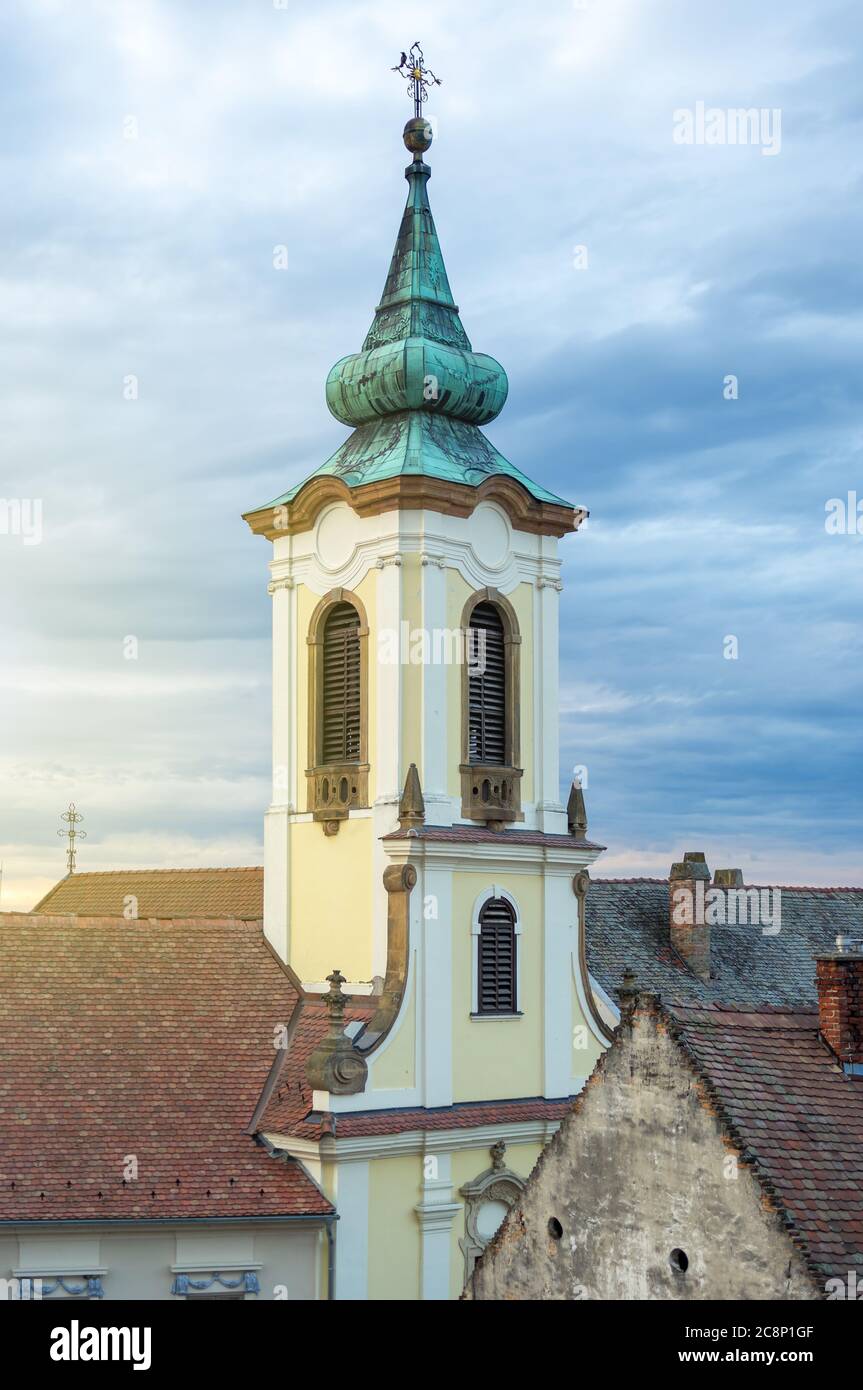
pixel 260 125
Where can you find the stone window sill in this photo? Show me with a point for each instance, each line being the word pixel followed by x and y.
pixel 497 1018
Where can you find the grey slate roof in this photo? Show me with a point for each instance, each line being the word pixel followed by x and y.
pixel 627 924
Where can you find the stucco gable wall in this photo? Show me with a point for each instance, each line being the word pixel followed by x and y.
pixel 641 1169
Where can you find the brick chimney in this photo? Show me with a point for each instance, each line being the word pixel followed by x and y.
pixel 690 933
pixel 728 878
pixel 839 977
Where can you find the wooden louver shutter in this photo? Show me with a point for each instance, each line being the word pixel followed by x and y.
pixel 486 686
pixel 340 741
pixel 496 993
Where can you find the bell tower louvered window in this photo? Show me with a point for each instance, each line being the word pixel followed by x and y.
pixel 496 963
pixel 486 686
pixel 341 686
pixel 490 774
pixel 338 769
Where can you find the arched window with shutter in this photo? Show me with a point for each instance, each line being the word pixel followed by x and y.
pixel 490 710
pixel 486 680
pixel 340 731
pixel 495 963
pixel 338 684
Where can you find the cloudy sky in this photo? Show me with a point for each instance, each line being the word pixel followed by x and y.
pixel 153 154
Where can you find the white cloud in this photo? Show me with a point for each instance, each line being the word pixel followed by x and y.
pixel 152 256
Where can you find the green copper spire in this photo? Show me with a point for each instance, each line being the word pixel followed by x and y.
pixel 416 392
pixel 416 355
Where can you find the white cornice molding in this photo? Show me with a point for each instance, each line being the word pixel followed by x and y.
pixel 437 1216
pixel 363 1147
pixel 486 857
pixel 218 1267
pixel 350 987
pixel 306 1150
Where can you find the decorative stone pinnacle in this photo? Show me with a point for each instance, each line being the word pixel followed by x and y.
pixel 334 1065
pixel 576 811
pixel 334 999
pixel 497 1152
pixel 412 809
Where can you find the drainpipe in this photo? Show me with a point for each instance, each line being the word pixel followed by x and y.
pixel 331 1256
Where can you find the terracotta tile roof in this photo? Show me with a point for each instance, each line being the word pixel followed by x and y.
pixel 795 1113
pixel 290 1105
pixel 626 922
pixel 131 1038
pixel 314 1125
pixel 161 893
pixel 478 835
pixel 464 1116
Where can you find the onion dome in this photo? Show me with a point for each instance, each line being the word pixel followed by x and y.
pixel 416 355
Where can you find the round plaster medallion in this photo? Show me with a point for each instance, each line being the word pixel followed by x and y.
pixel 334 541
pixel 489 535
pixel 489 1218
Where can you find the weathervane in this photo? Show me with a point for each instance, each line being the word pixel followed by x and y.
pixel 412 66
pixel 72 818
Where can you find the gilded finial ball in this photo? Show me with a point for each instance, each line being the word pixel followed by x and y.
pixel 417 135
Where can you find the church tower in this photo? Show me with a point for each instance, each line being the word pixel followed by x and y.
pixel 416 839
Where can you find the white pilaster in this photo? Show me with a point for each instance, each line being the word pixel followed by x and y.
pixel 435 741
pixel 436 1213
pixel 386 770
pixel 277 868
pixel 352 1231
pixel 560 918
pixel 550 812
pixel 436 984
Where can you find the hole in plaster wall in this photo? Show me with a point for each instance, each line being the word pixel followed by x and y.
pixel 555 1230
pixel 679 1261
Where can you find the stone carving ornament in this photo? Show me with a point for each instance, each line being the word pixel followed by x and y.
pixel 497 1185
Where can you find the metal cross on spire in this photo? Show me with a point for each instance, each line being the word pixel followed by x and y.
pixel 72 818
pixel 412 66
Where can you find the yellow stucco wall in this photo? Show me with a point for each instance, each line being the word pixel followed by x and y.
pixel 331 900
pixel 331 876
pixel 497 1058
pixel 396 1065
pixel 586 1048
pixel 394 1232
pixel 395 1236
